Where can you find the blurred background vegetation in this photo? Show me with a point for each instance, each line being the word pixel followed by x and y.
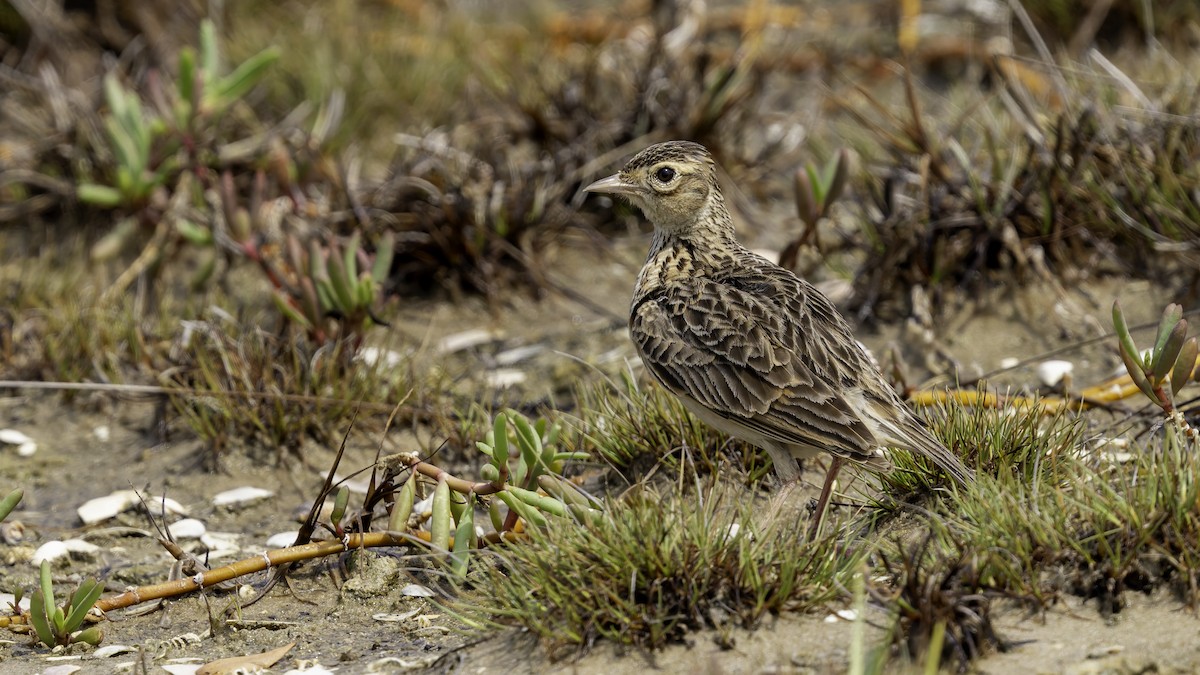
pixel 270 176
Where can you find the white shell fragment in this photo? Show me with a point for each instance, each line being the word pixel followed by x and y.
pixel 311 669
pixel 358 486
pixel 1051 373
pixel 102 434
pixel 26 446
pixel 281 540
pixel 503 378
pixel 424 506
pixel 842 615
pixel 49 551
pixel 7 600
pixel 516 355
pixel 101 509
pixel 241 496
pixel 464 340
pixel 13 437
pixel 395 618
pixel 374 355
pixel 1009 362
pixel 221 544
pixel 53 550
pixel 416 591
pixel 188 528
pixel 109 651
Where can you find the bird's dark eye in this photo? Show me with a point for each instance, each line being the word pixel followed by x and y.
pixel 665 175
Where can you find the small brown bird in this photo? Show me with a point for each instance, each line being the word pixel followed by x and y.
pixel 746 345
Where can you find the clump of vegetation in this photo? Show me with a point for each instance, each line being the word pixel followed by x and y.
pixel 56 625
pixel 942 606
pixel 654 566
pixel 238 385
pixel 188 175
pixel 1161 372
pixel 323 292
pixel 1047 515
pixel 634 427
pixel 815 191
pixel 949 211
pixel 521 487
pixel 476 212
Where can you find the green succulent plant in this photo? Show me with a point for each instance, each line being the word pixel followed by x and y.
pixel 1162 371
pixel 56 625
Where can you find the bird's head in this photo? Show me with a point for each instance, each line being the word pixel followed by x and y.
pixel 673 183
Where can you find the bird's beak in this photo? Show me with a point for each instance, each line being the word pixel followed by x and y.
pixel 613 184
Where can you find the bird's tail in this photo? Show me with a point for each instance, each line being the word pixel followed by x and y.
pixel 912 434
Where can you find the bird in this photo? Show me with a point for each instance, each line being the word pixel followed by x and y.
pixel 747 346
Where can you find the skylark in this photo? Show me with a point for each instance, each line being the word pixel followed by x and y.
pixel 746 345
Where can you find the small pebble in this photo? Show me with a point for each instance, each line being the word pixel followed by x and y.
pixel 12 531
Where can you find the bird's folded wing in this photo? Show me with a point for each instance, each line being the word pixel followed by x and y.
pixel 744 357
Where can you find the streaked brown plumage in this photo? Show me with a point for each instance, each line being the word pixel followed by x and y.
pixel 747 345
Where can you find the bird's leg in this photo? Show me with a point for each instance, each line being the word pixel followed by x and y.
pixel 835 465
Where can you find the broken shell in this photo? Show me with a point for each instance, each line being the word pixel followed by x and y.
pixel 416 591
pixel 518 354
pixel 281 540
pixel 13 437
pixel 26 446
pixel 1051 373
pixel 465 340
pixel 53 550
pixel 220 544
pixel 188 528
pixel 503 378
pixel 102 508
pixel 112 650
pixel 241 496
